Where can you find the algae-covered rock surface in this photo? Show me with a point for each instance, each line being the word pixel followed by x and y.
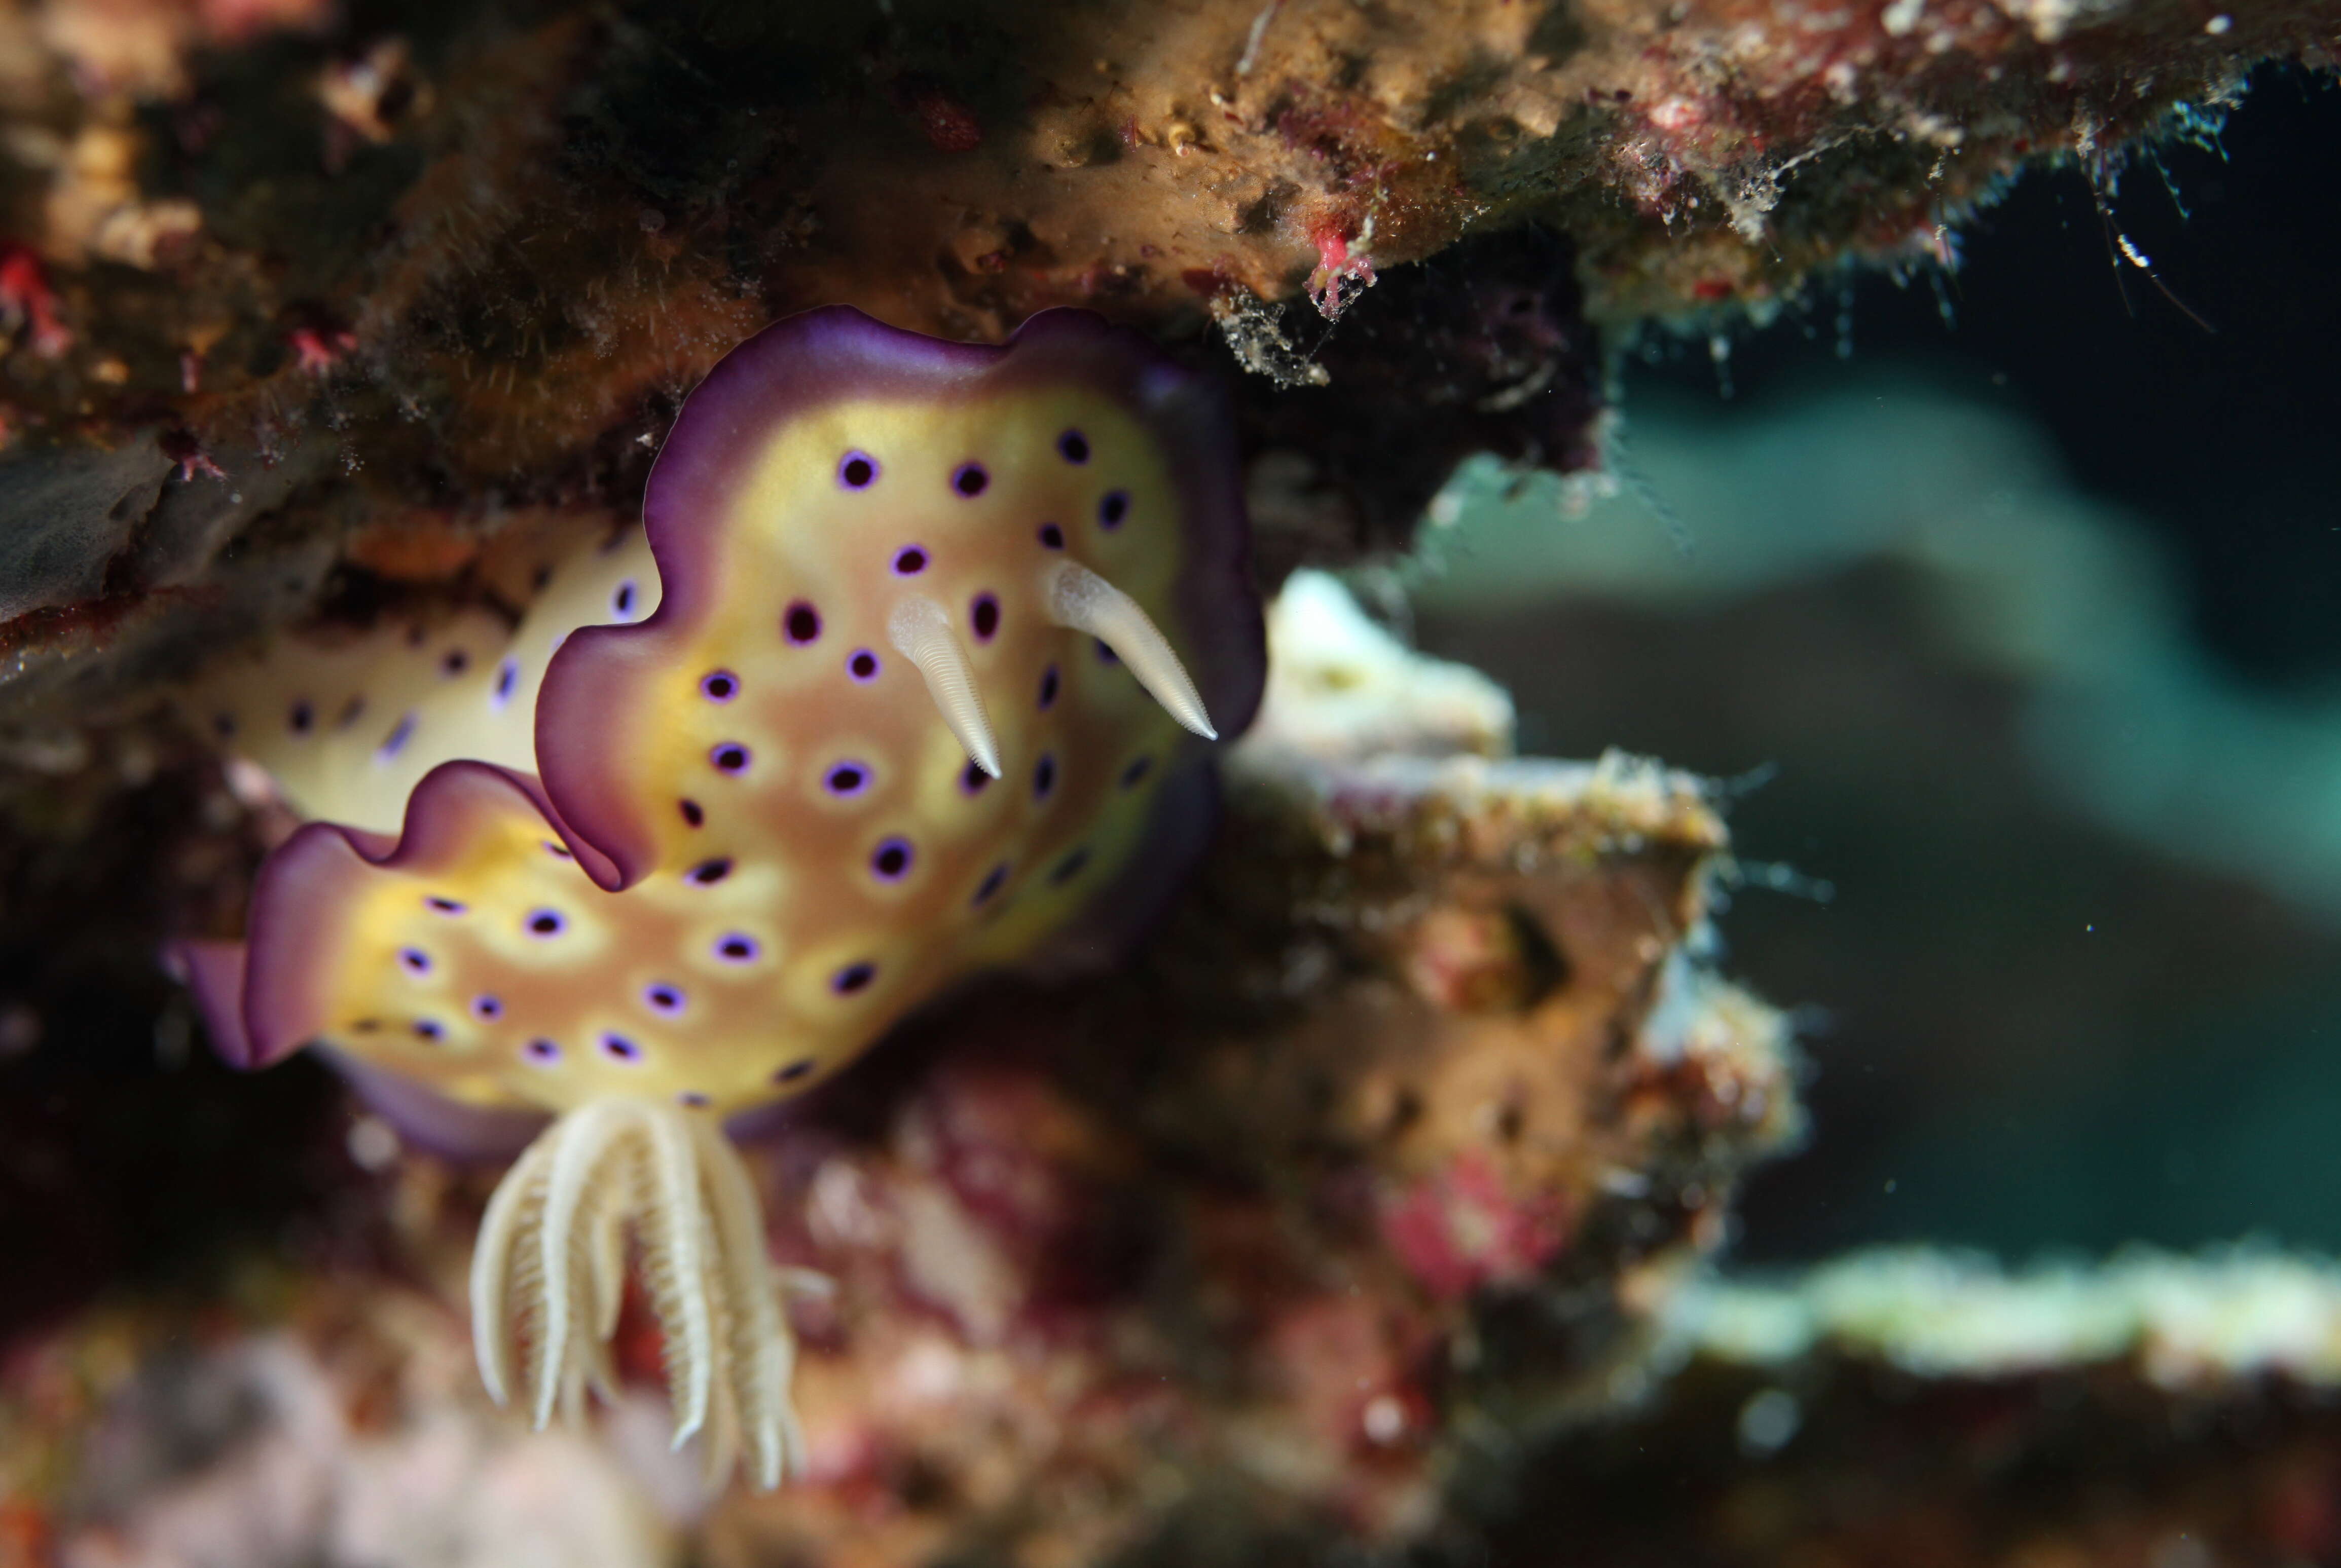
pixel 280 279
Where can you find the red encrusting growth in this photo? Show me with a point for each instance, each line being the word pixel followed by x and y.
pixel 26 297
pixel 948 124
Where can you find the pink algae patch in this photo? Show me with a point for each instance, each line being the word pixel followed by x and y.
pixel 1460 1230
pixel 1342 271
pixel 25 295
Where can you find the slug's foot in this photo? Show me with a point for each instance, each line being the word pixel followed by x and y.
pixel 621 1179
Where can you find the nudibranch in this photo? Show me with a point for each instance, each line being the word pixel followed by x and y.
pixel 347 722
pixel 920 681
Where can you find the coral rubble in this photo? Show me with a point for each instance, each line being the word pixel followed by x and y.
pixel 1885 1408
pixel 1913 1406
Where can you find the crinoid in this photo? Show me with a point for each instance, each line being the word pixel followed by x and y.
pixel 621 1177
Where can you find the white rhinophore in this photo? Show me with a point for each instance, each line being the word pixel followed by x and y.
pixel 552 1256
pixel 921 630
pixel 1077 597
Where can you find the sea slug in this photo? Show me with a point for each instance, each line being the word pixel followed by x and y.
pixel 913 674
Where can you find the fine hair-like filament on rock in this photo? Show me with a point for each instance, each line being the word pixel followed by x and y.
pixel 617 1178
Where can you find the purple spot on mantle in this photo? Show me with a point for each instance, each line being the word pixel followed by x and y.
pixel 857 469
pixel 853 977
pixel 973 781
pixel 969 479
pixel 719 686
pixel 847 778
pixel 992 882
pixel 395 741
pixel 415 960
pixel 1137 770
pixel 985 616
pixel 1051 537
pixel 541 1051
pixel 617 1046
pixel 891 860
pixel 558 851
pixel 1074 446
pixel 664 998
pixel 547 922
pixel 909 560
pixel 1066 869
pixel 707 873
pixel 795 1071
pixel 443 905
pixel 1105 654
pixel 692 1099
pixel 1113 508
pixel 691 815
pixel 455 662
pixel 507 678
pixel 738 948
pixel 621 602
pixel 863 666
pixel 302 718
pixel 730 758
pixel 1048 688
pixel 800 623
pixel 1045 776
pixel 429 1029
pixel 487 1009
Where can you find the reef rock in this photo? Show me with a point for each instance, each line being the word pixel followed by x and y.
pixel 1916 1407
pixel 277 274
pixel 1394 1136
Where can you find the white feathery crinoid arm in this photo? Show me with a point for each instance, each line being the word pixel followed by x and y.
pixel 503 1269
pixel 550 1271
pixel 763 1358
pixel 1076 597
